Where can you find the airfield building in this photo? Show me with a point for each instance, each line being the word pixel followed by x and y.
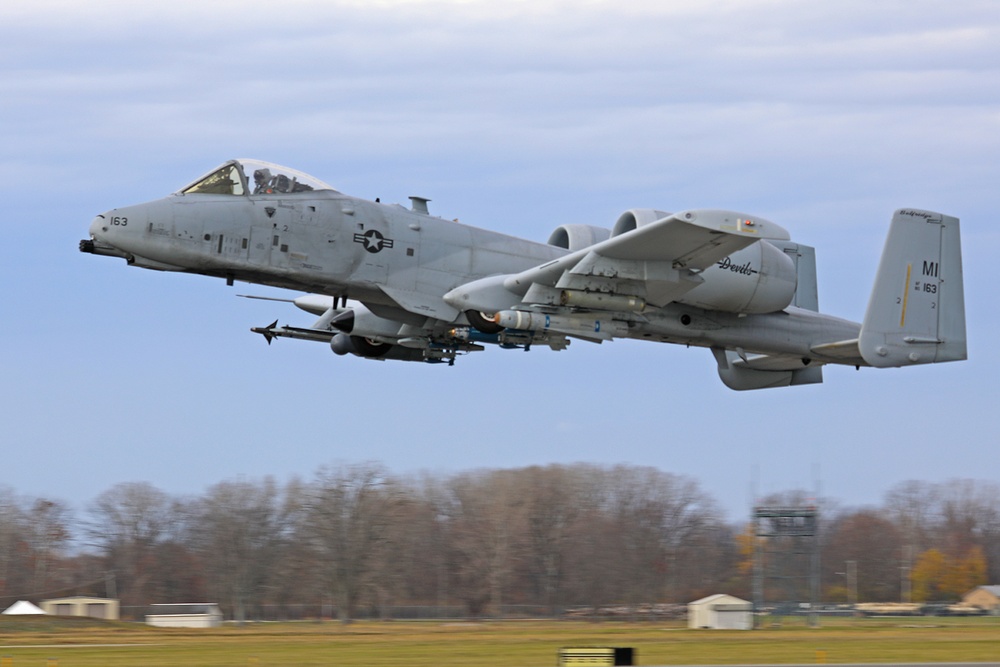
pixel 82 606
pixel 721 612
pixel 196 615
pixel 984 597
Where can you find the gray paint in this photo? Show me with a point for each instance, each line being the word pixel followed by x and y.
pixel 723 280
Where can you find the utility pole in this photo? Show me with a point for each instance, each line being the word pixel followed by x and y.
pixel 852 582
pixel 110 587
pixel 906 586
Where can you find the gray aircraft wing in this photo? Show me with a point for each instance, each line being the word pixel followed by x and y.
pixel 657 262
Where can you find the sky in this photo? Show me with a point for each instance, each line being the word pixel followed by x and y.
pixel 516 116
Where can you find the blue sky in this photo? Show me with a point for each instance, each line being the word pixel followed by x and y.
pixel 516 116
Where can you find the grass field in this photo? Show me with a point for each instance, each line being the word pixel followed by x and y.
pixel 52 642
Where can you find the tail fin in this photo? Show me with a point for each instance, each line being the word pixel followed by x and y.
pixel 916 314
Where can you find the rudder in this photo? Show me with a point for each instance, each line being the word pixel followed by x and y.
pixel 916 314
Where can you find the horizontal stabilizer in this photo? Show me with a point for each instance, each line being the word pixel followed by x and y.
pixel 742 372
pixel 843 352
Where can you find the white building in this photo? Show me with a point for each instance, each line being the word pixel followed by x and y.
pixel 194 615
pixel 22 608
pixel 721 612
pixel 82 606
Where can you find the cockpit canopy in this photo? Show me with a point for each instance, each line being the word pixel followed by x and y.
pixel 254 177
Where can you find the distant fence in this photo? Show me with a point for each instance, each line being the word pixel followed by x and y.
pixel 321 612
pixel 635 613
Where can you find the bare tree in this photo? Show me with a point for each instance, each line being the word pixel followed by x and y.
pixel 552 535
pixel 665 516
pixel 874 546
pixel 239 531
pixel 127 522
pixel 411 561
pixel 595 572
pixel 915 509
pixel 554 502
pixel 487 515
pixel 347 514
pixel 10 539
pixel 46 532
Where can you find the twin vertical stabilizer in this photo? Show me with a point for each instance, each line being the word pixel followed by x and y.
pixel 916 314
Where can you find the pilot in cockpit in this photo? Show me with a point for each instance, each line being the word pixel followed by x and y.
pixel 266 183
pixel 261 179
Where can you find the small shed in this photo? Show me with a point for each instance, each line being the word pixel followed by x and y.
pixel 81 605
pixel 984 597
pixel 721 612
pixel 185 615
pixel 22 608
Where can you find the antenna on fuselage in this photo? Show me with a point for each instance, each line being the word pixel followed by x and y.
pixel 419 205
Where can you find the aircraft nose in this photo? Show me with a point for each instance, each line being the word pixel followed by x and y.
pixel 99 242
pixel 98 226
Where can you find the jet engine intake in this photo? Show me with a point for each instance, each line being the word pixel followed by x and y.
pixel 635 218
pixel 576 237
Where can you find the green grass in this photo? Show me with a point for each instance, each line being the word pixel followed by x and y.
pixel 85 643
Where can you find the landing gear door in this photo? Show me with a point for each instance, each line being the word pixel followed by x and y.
pixel 261 243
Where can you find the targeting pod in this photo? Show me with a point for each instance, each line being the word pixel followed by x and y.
pixel 582 325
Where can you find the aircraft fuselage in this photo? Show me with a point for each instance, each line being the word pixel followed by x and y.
pixel 433 288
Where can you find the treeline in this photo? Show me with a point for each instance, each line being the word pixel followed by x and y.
pixel 357 538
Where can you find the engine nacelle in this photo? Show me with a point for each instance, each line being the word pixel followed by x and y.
pixel 635 218
pixel 576 237
pixel 757 279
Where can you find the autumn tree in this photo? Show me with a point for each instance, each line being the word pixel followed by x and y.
pixel 937 576
pixel 953 517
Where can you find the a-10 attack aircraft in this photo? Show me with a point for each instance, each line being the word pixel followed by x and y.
pixel 430 289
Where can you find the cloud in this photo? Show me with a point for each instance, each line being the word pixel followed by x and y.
pixel 518 116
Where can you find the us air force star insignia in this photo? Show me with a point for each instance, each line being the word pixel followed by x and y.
pixel 373 241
